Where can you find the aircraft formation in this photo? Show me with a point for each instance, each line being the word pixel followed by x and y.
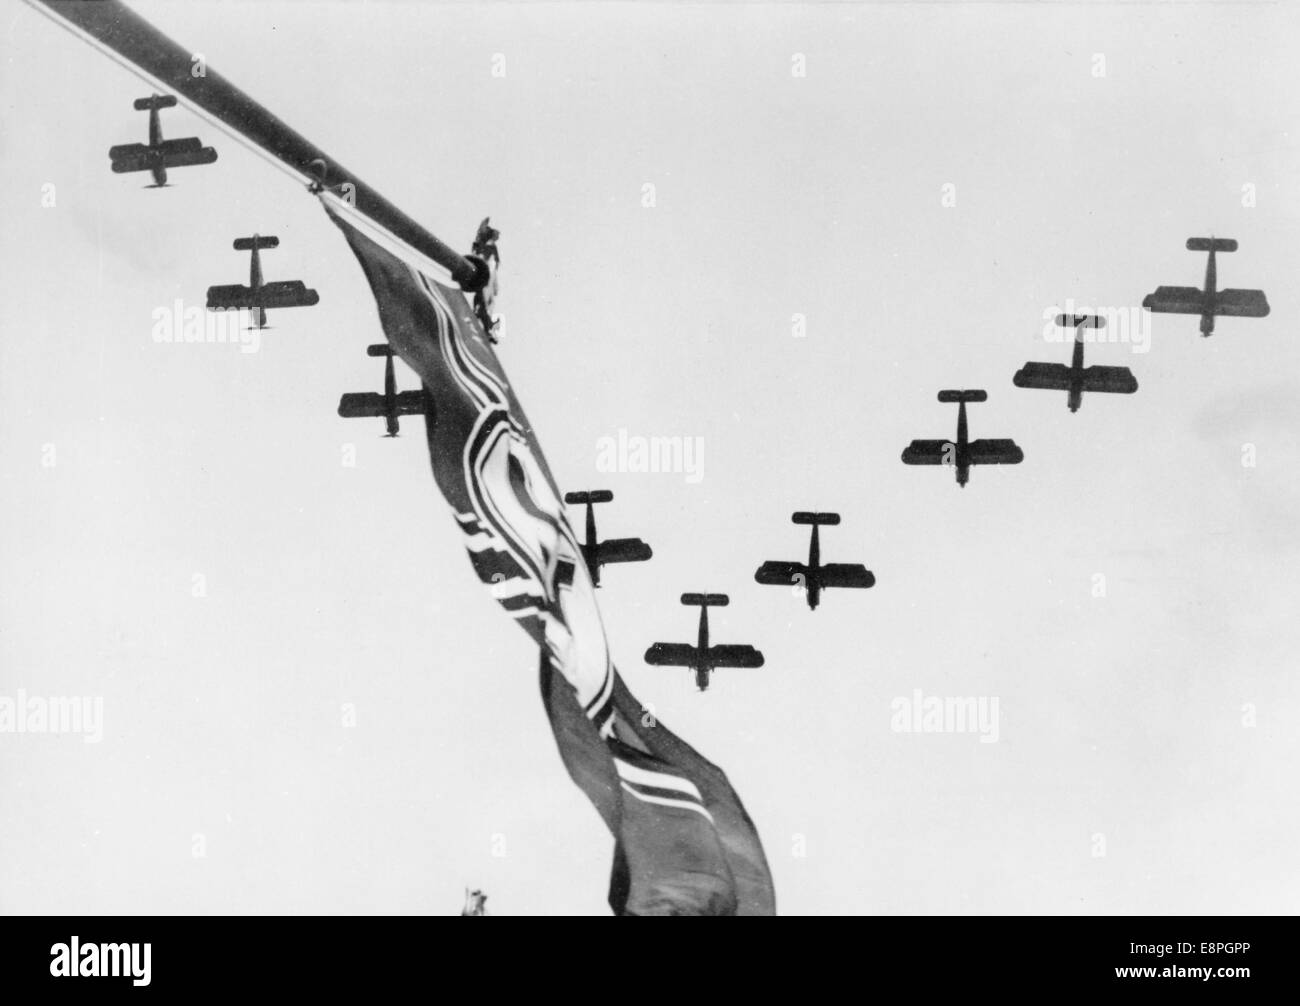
pixel 960 454
pixel 809 579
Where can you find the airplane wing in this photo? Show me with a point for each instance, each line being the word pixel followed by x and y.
pixel 130 157
pixel 356 404
pixel 994 452
pixel 1241 303
pixel 1118 380
pixel 780 574
pixel 622 550
pixel 840 574
pixel 287 293
pixel 735 655
pixel 232 295
pixel 190 158
pixel 930 452
pixel 183 145
pixel 1049 376
pixel 1175 300
pixel 412 403
pixel 672 655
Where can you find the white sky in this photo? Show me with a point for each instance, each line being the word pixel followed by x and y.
pixel 1120 716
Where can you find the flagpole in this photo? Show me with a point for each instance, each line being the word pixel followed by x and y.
pixel 115 26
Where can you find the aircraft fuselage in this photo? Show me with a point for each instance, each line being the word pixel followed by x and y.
pixel 155 141
pixel 590 548
pixel 255 284
pixel 1076 374
pixel 1211 282
pixel 390 395
pixel 703 669
pixel 814 584
pixel 962 459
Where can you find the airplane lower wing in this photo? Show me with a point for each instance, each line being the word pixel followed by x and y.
pixel 1048 376
pixel 1116 380
pixel 232 295
pixel 672 655
pixel 622 550
pixel 1241 304
pixel 1175 300
pixel 930 452
pixel 841 574
pixel 287 293
pixel 994 452
pixel 735 655
pixel 780 574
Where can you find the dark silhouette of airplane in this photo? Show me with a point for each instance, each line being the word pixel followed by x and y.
pixel 1211 301
pixel 1076 379
pixel 963 453
pixel 702 658
pixel 259 296
pixel 597 554
pixel 391 404
pixel 159 154
pixel 814 576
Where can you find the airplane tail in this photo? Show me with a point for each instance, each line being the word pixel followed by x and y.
pixel 1211 244
pixel 256 241
pixel 963 396
pixel 382 349
pixel 706 600
pixel 595 496
pixel 156 101
pixel 804 517
pixel 1080 321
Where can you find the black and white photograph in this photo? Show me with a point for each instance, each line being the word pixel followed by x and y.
pixel 651 458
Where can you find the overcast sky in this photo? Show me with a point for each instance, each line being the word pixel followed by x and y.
pixel 1126 777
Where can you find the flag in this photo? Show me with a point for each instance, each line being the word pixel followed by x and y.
pixel 684 844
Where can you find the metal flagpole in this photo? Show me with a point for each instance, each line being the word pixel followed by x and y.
pixel 115 26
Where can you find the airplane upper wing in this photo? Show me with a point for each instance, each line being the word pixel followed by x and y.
pixel 1241 303
pixel 232 295
pixel 930 452
pixel 735 655
pixel 1175 300
pixel 622 550
pixel 840 574
pixel 780 574
pixel 1049 376
pixel 1118 380
pixel 182 145
pixel 130 157
pixel 356 404
pixel 672 655
pixel 287 293
pixel 994 452
pixel 189 158
pixel 412 403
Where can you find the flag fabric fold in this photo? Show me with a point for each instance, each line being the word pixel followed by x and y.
pixel 684 844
